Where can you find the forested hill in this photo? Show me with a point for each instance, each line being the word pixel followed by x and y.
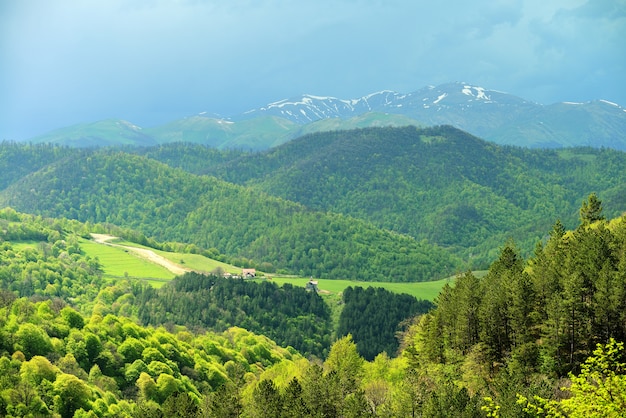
pixel 439 184
pixel 250 227
pixel 19 160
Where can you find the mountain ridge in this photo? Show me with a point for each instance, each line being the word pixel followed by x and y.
pixel 493 115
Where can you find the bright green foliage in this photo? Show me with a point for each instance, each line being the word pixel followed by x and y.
pixel 591 210
pixel 598 391
pixel 346 363
pixel 70 394
pixel 32 341
pixel 111 364
pixel 52 268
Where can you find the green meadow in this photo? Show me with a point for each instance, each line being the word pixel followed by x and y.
pixel 117 262
pixel 421 290
pixel 198 262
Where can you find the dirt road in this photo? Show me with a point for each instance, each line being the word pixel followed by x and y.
pixel 142 253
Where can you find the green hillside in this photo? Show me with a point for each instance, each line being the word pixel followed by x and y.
pixel 104 133
pixel 437 184
pixel 248 227
pixel 119 263
pixel 18 160
pixel 258 133
pixel 538 336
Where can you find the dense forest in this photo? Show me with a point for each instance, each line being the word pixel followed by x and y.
pixel 289 315
pixel 439 184
pixel 450 198
pixel 536 337
pixel 172 205
pixel 374 317
pixel 539 334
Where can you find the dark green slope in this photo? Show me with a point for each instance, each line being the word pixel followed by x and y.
pixel 191 157
pixel 18 160
pixel 439 184
pixel 173 205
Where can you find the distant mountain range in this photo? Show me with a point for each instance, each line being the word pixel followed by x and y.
pixel 492 115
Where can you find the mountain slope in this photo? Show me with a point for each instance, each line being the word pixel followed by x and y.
pixel 109 132
pixel 439 184
pixel 260 133
pixel 495 116
pixel 172 205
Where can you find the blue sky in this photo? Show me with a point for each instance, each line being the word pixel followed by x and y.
pixel 152 61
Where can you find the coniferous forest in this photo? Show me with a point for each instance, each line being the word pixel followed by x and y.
pixel 539 333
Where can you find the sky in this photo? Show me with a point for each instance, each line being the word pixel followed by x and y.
pixel 64 62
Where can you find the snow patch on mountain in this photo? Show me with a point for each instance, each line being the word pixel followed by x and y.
pixel 478 92
pixel 440 98
pixel 610 103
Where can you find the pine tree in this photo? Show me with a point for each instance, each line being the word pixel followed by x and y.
pixel 591 210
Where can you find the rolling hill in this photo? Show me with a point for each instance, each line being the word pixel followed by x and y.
pixel 439 184
pixel 173 205
pixel 104 133
pixel 365 198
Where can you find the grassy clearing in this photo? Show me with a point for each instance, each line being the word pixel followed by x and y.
pixel 117 262
pixel 421 290
pixel 196 262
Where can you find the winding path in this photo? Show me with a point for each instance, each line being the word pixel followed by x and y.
pixel 143 253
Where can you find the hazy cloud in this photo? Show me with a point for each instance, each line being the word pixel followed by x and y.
pixel 152 61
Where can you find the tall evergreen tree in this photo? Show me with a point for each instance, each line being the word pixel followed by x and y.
pixel 591 210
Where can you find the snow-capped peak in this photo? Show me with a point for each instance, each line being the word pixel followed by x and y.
pixel 309 108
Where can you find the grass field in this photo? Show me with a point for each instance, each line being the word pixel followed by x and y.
pixel 21 245
pixel 198 262
pixel 117 262
pixel 193 261
pixel 422 290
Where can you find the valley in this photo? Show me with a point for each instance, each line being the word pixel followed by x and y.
pixel 453 274
pixel 116 264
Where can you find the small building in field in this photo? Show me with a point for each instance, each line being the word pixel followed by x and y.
pixel 312 286
pixel 247 273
